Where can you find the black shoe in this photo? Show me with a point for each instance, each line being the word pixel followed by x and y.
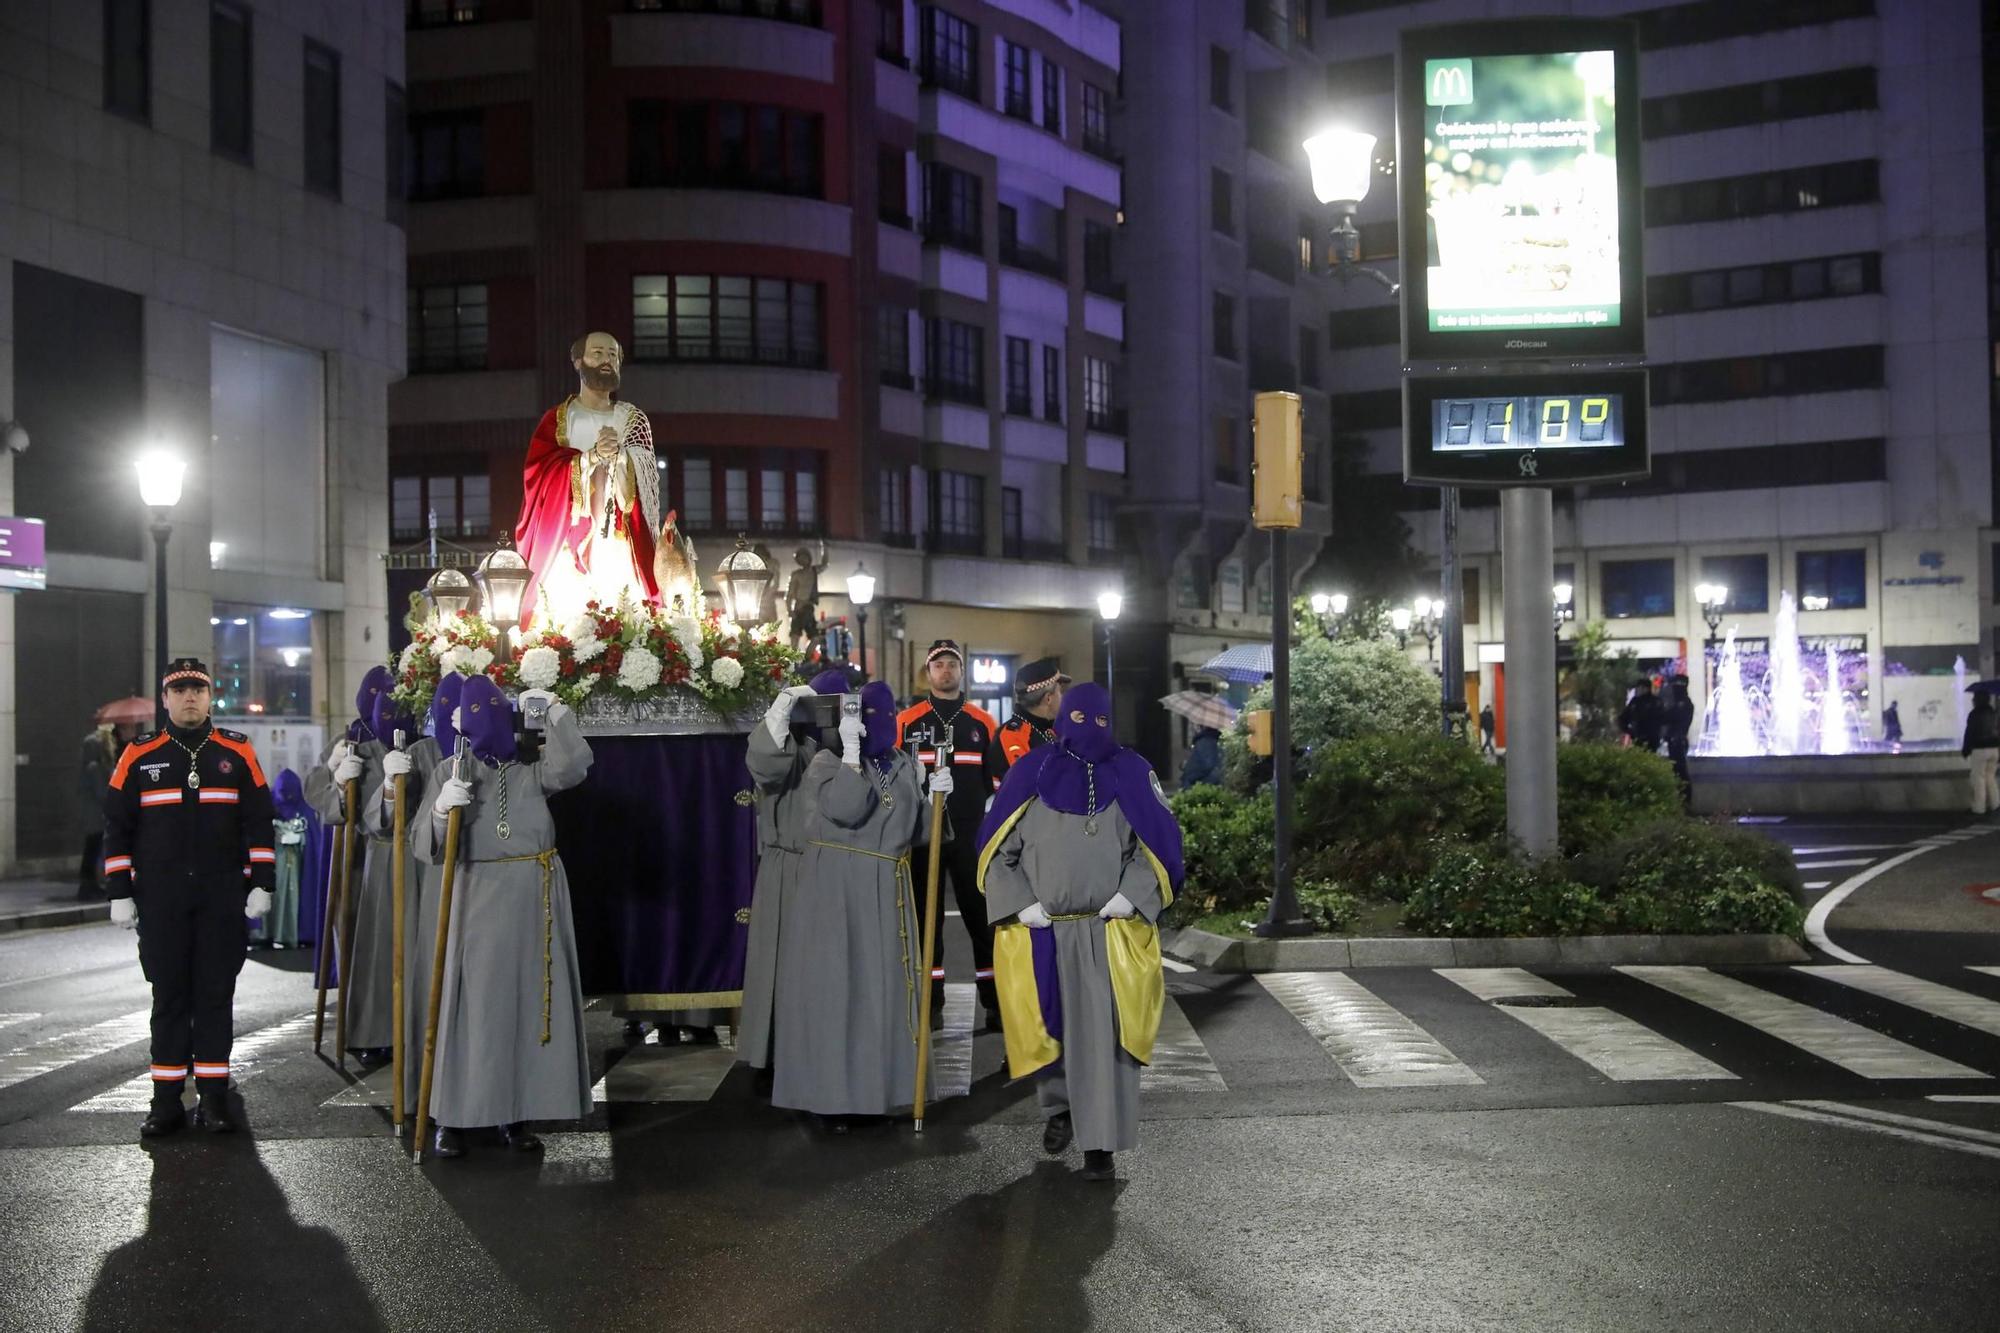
pixel 212 1114
pixel 702 1036
pixel 517 1137
pixel 163 1120
pixel 1058 1133
pixel 1097 1165
pixel 374 1057
pixel 991 1022
pixel 833 1124
pixel 447 1142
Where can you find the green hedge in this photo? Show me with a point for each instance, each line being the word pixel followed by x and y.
pixel 1482 891
pixel 1686 877
pixel 1227 846
pixel 1604 791
pixel 1375 805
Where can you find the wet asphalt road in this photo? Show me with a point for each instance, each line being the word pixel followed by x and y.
pixel 1272 1190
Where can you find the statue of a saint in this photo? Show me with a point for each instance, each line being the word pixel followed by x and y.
pixel 590 505
pixel 802 593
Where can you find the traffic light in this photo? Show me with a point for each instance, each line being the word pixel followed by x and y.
pixel 1278 461
pixel 1259 722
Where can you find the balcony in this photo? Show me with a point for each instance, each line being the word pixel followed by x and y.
pixel 1274 259
pixel 896 217
pixel 1103 284
pixel 884 51
pixel 803 12
pixel 1099 146
pixel 1015 255
pixel 899 379
pixel 1048 553
pixel 901 541
pixel 645 174
pixel 1020 405
pixel 1110 420
pixel 954 391
pixel 1269 374
pixel 955 543
pixel 950 78
pixel 938 231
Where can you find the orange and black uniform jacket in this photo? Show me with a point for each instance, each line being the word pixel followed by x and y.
pixel 158 830
pixel 1022 735
pixel 975 752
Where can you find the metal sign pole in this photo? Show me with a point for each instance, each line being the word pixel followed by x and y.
pixel 1527 564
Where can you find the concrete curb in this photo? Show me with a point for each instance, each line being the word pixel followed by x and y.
pixel 1219 953
pixel 49 918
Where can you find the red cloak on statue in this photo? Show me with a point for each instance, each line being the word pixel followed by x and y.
pixel 546 522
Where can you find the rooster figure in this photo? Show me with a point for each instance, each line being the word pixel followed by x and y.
pixel 674 569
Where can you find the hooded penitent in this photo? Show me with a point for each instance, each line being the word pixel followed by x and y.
pixel 376 684
pixel 443 703
pixel 1083 780
pixel 390 718
pixel 878 719
pixel 486 720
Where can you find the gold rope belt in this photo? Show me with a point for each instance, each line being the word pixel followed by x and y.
pixel 548 860
pixel 1072 916
pixel 903 925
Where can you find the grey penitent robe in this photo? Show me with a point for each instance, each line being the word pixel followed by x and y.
pixel 1048 858
pixel 784 819
pixel 846 1011
pixel 510 1043
pixel 378 810
pixel 370 1019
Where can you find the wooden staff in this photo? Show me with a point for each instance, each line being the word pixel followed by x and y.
pixel 402 844
pixel 452 823
pixel 352 796
pixel 327 918
pixel 930 935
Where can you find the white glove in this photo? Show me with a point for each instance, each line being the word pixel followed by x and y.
pixel 941 782
pixel 778 717
pixel 257 904
pixel 1034 916
pixel 349 769
pixel 455 794
pixel 125 912
pixel 1118 908
pixel 851 732
pixel 339 752
pixel 396 764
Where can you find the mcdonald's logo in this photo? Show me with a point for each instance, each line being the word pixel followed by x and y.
pixel 1447 82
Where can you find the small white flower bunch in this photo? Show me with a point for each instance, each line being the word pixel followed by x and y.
pixel 727 672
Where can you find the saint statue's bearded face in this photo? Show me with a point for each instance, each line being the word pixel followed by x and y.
pixel 597 362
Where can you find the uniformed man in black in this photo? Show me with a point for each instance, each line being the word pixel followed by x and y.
pixel 977 768
pixel 1038 691
pixel 189 859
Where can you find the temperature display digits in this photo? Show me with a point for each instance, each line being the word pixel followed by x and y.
pixel 1554 421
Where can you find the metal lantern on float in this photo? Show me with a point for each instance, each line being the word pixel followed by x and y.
pixel 503 581
pixel 742 577
pixel 449 592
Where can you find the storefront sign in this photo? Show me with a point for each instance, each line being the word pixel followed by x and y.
pixel 992 673
pixel 24 561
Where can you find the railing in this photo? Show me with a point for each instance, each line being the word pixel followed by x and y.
pixel 1275 259
pixel 1020 405
pixel 805 12
pixel 899 379
pixel 884 51
pixel 1269 21
pixel 954 391
pixel 968 239
pixel 651 178
pixel 896 218
pixel 1103 284
pixel 964 82
pixel 955 543
pixel 1099 145
pixel 1014 548
pixel 1015 255
pixel 657 351
pixel 1110 420
pixel 902 541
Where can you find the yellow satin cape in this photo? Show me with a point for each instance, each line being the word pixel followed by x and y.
pixel 1132 950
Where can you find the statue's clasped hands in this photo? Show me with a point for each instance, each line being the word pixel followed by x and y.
pixel 607 443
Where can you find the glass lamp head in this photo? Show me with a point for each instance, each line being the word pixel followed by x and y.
pixel 861 586
pixel 1342 161
pixel 503 581
pixel 1109 604
pixel 160 477
pixel 742 577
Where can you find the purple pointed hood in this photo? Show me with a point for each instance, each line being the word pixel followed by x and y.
pixel 390 719
pixel 830 682
pixel 878 717
pixel 378 682
pixel 288 796
pixel 486 719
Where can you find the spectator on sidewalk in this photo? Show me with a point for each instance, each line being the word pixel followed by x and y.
pixel 1204 761
pixel 1679 715
pixel 1487 726
pixel 1981 747
pixel 1644 718
pixel 101 749
pixel 1892 729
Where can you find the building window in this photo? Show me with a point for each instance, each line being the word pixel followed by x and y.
pixel 892 345
pixel 704 317
pixel 447 155
pixel 1097 260
pixel 447 327
pixel 128 58
pixel 1629 588
pixel 1051 96
pixel 1218 79
pixel 1103 522
pixel 952 207
pixel 1306 232
pixel 263 659
pixel 1717 20
pixel 1228 456
pixel 1010 522
pixel 1833 580
pixel 229 79
pixel 1221 201
pixel 1223 322
pixel 439 13
pixel 1764 284
pixel 1748 578
pixel 892 188
pixel 736 496
pixel 1762 467
pixel 267 454
pixel 955 361
pixel 1097 121
pixel 461 498
pixel 889 32
pixel 1828 370
pixel 894 490
pixel 1052 378
pixel 1100 396
pixel 394 128
pixel 1806 95
pixel 958 512
pixel 1370 409
pixel 1015 99
pixel 322 116
pixel 695 493
pixel 724 146
pixel 1309 358
pixel 1829 185
pixel 950 56
pixel 1020 391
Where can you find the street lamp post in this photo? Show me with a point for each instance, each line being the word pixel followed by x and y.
pixel 160 476
pixel 1427 613
pixel 1711 596
pixel 1329 607
pixel 1563 595
pixel 1109 603
pixel 1399 621
pixel 860 592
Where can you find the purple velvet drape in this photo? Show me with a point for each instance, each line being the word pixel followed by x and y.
pixel 661 857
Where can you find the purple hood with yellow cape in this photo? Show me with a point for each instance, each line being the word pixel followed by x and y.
pixel 1024 960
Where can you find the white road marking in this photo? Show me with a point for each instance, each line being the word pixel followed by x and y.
pixel 1374 1044
pixel 681 1072
pixel 1929 996
pixel 1835 865
pixel 1981 1099
pixel 1945 1127
pixel 1618 1047
pixel 1818 883
pixel 249 1055
pixel 68 1048
pixel 10 1020
pixel 1821 910
pixel 1989 971
pixel 1857 1049
pixel 1849 847
pixel 1894 1132
pixel 1181 1062
pixel 951 1044
pixel 1176 965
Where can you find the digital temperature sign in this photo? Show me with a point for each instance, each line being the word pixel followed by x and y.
pixel 1543 429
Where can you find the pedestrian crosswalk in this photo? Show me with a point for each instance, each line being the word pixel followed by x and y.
pixel 1773 1034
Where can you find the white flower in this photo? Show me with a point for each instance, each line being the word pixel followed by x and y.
pixel 687 633
pixel 409 657
pixel 586 650
pixel 452 659
pixel 478 659
pixel 583 627
pixel 728 672
pixel 586 684
pixel 640 670
pixel 541 667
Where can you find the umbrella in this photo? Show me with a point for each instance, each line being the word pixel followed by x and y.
pixel 129 711
pixel 1249 663
pixel 1203 710
pixel 1983 687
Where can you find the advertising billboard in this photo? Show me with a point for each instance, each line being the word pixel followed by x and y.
pixel 1519 168
pixel 1525 429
